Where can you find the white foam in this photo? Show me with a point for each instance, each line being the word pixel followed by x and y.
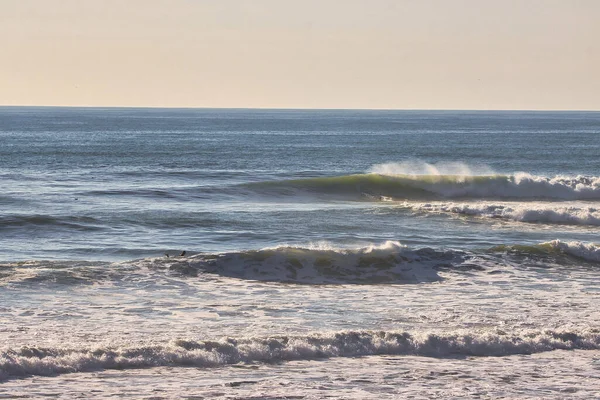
pixel 586 251
pixel 387 246
pixel 416 167
pixel 51 361
pixel 520 185
pixel 462 180
pixel 523 212
pixel 560 186
pixel 326 246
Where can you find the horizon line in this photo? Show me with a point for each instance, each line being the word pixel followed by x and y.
pixel 298 108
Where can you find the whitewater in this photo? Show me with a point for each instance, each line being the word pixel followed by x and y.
pixel 169 253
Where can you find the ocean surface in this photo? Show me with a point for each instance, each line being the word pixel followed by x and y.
pixel 200 253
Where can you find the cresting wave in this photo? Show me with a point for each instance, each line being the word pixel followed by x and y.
pixel 586 251
pixel 549 251
pixel 428 187
pixel 547 213
pixel 388 263
pixel 27 361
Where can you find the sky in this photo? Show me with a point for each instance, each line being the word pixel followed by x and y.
pixel 374 54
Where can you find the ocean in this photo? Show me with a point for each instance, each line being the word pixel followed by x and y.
pixel 305 254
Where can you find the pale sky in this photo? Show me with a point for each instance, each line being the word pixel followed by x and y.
pixel 390 54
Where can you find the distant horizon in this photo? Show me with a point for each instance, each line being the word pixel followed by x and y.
pixel 300 108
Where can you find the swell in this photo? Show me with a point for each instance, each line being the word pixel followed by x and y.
pixel 40 220
pixel 353 186
pixel 423 187
pixel 106 221
pixel 139 192
pixel 27 361
pixel 7 200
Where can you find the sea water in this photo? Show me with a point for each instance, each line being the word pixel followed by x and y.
pixel 331 253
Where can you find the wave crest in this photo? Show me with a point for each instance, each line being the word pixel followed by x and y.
pixel 422 168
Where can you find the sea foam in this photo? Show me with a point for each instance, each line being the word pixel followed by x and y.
pixel 548 213
pixel 518 186
pixel 26 361
pixel 586 251
pixel 416 168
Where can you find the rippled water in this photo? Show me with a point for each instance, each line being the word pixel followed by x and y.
pixel 364 254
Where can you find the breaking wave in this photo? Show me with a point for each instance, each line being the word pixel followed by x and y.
pixel 389 262
pixel 322 263
pixel 417 167
pixel 547 213
pixel 586 251
pixel 374 185
pixel 27 361
pixel 589 252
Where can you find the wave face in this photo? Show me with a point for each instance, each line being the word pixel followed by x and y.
pixel 388 263
pixel 28 361
pixel 521 186
pixel 322 264
pixel 521 212
pixel 554 252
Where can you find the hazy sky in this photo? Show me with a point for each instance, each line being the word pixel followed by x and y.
pixel 416 54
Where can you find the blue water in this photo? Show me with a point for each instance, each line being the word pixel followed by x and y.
pixel 328 253
pixel 116 184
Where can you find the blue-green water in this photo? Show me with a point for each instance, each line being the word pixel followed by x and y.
pixel 117 184
pixel 478 227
